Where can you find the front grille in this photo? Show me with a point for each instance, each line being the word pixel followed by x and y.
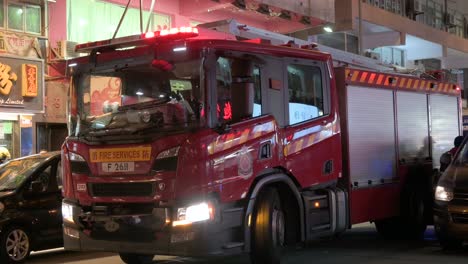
pixel 460 218
pixel 138 189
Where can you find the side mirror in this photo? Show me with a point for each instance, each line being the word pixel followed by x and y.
pixel 36 187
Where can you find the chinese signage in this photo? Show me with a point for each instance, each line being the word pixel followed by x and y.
pixel 29 84
pixel 18 45
pixel 21 85
pixel 55 102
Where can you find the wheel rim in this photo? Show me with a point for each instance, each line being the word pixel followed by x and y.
pixel 278 227
pixel 17 245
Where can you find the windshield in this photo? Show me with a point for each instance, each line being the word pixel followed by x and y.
pixel 15 172
pixel 138 100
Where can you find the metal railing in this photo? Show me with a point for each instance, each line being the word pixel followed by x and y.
pixel 433 13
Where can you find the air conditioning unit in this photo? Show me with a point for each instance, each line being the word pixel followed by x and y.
pixel 450 20
pixel 418 8
pixel 66 49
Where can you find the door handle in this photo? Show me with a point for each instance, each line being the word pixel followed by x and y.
pixel 265 150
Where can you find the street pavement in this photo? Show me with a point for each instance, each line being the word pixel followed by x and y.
pixel 360 245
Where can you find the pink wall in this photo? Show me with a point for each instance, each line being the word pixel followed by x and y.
pixel 57 21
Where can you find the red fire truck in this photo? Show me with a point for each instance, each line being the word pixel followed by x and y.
pixel 183 143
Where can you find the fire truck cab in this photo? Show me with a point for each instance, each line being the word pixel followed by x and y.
pixel 182 144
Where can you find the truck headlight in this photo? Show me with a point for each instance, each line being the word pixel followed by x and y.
pixel 67 213
pixel 75 157
pixel 443 194
pixel 167 160
pixel 194 213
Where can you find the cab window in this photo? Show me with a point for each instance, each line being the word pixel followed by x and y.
pixel 238 90
pixel 306 93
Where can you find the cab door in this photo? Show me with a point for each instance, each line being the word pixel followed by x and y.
pixel 311 142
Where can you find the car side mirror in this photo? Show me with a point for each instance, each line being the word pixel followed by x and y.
pixel 36 187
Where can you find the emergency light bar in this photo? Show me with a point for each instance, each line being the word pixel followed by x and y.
pixel 147 38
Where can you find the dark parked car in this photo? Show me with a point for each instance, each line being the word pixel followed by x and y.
pixel 30 206
pixel 451 202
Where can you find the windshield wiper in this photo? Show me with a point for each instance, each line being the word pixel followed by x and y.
pixel 143 105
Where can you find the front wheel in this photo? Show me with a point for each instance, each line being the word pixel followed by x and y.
pixel 132 258
pixel 268 228
pixel 15 245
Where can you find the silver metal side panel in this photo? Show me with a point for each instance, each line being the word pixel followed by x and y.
pixel 445 124
pixel 371 136
pixel 413 126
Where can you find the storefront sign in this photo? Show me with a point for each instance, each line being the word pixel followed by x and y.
pixel 21 85
pixel 29 84
pixel 55 102
pixel 18 45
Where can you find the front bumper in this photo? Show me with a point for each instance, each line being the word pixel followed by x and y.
pixel 214 238
pixel 451 220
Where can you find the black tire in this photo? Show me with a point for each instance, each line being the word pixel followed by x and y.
pixel 447 242
pixel 268 228
pixel 15 245
pixel 415 216
pixel 132 258
pixel 389 228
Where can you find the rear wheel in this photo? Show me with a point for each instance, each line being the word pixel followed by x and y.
pixel 389 228
pixel 447 242
pixel 132 258
pixel 268 228
pixel 415 225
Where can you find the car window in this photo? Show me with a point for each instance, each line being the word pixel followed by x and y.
pixel 48 178
pixel 15 172
pixel 462 158
pixel 59 175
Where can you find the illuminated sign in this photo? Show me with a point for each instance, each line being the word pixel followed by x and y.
pixel 29 84
pixel 6 79
pixel 21 84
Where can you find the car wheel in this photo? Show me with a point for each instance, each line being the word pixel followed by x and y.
pixel 268 228
pixel 15 245
pixel 132 258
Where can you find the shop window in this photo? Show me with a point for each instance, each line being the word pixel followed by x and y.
pixel 306 93
pixel 22 17
pixel 85 15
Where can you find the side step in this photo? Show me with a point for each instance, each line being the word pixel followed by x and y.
pixel 326 212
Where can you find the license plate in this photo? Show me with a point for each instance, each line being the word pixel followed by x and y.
pixel 118 166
